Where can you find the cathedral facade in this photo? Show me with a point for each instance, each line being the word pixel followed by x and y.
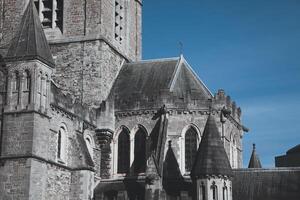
pixel 84 117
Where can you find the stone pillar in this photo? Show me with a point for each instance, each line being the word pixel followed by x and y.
pixel 104 138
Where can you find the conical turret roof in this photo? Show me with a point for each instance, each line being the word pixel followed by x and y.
pixel 30 41
pixel 211 158
pixel 254 160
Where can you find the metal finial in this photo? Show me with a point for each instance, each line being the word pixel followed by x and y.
pixel 181 48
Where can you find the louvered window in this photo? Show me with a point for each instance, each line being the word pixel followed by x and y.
pixel 190 148
pixel 140 151
pixel 123 151
pixel 50 13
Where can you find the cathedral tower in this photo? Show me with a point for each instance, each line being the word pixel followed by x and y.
pixel 89 40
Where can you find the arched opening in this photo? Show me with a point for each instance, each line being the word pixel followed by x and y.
pixel 27 86
pixel 190 148
pixel 202 190
pixel 17 86
pixel 140 151
pixel 214 190
pixel 225 193
pixel 61 144
pixel 123 151
pixel 89 141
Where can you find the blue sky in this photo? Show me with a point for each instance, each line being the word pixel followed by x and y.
pixel 250 48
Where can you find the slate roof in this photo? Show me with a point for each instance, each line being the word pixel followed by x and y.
pixel 151 79
pixel 294 150
pixel 211 158
pixel 254 160
pixel 30 41
pixel 266 184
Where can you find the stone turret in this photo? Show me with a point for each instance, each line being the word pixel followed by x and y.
pixel 30 66
pixel 254 160
pixel 212 172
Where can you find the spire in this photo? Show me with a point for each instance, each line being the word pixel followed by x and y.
pixel 30 41
pixel 254 160
pixel 211 158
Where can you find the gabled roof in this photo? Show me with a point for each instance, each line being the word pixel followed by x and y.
pixel 147 81
pixel 254 160
pixel 30 41
pixel 211 158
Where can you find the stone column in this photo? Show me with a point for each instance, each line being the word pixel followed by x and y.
pixel 104 138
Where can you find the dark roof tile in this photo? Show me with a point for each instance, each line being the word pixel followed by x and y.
pixel 211 158
pixel 30 41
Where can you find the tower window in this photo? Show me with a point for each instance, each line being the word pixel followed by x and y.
pixel 225 193
pixel 123 151
pixel 190 148
pixel 119 20
pixel 61 144
pixel 50 13
pixel 140 151
pixel 214 190
pixel 202 191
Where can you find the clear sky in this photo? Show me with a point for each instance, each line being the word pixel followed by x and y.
pixel 250 48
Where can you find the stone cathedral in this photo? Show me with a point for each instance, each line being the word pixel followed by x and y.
pixel 84 117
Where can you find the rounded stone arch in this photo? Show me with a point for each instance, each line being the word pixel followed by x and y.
pixel 119 130
pixel 89 141
pixel 139 148
pixel 116 152
pixel 183 145
pixel 136 128
pixel 62 143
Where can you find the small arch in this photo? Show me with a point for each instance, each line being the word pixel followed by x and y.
pixel 202 189
pixel 123 155
pixel 61 143
pixel 27 86
pixel 214 190
pixel 140 143
pixel 89 141
pixel 225 192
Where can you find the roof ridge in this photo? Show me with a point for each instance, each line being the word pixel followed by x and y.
pixel 155 60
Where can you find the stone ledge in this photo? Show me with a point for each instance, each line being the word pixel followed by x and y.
pixel 28 156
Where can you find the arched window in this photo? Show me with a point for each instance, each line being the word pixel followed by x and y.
pixel 140 151
pixel 214 190
pixel 190 148
pixel 89 142
pixel 225 193
pixel 234 154
pixel 27 80
pixel 17 86
pixel 28 84
pixel 123 151
pixel 202 189
pixel 61 144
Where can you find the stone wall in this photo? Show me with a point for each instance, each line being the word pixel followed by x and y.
pixel 14 179
pixel 91 66
pixel 178 122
